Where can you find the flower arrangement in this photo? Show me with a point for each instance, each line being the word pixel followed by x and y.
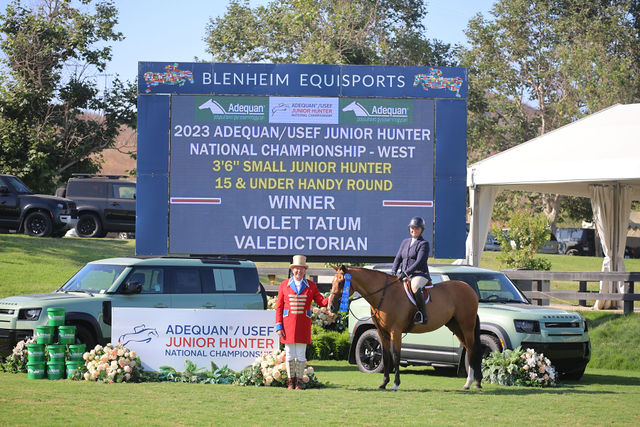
pixel 112 363
pixel 327 320
pixel 519 367
pixel 270 370
pixel 271 303
pixel 322 316
pixel 17 360
pixel 540 372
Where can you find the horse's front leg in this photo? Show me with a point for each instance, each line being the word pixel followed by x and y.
pixel 396 340
pixel 386 359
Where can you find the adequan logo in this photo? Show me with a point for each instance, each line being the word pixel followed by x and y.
pixel 375 111
pixel 231 108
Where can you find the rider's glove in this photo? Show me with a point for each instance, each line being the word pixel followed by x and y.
pixel 401 275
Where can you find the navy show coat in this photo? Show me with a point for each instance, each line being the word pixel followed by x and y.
pixel 412 260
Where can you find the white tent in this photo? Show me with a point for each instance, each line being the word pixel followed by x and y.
pixel 597 157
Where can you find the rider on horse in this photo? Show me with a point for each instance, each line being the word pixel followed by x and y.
pixel 411 259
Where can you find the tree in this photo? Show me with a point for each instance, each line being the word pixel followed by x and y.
pixel 540 64
pixel 50 124
pixel 325 32
pixel 519 244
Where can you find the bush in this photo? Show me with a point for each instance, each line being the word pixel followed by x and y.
pixel 328 345
pixel 520 243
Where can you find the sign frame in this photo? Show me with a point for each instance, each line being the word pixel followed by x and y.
pixel 158 82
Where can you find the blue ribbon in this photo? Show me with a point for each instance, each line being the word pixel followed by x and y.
pixel 344 302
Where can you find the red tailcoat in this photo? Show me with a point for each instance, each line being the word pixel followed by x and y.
pixel 293 311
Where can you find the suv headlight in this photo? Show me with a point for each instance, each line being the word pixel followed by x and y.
pixel 29 314
pixel 584 322
pixel 527 326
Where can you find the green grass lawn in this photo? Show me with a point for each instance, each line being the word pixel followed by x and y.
pixel 33 265
pixel 349 398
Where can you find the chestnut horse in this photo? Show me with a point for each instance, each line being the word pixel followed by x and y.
pixel 452 303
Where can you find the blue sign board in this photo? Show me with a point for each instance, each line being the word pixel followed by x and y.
pixel 268 160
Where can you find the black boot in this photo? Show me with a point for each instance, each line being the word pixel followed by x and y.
pixel 421 307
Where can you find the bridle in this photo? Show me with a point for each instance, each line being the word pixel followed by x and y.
pixel 383 289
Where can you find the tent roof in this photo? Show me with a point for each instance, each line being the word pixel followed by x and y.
pixel 601 148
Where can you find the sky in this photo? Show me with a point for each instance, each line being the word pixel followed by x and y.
pixel 173 31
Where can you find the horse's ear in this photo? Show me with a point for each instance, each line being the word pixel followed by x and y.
pixel 335 267
pixel 342 269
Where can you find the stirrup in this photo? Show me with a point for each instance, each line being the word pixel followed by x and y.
pixel 418 319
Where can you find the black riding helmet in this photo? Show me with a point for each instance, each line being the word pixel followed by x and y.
pixel 416 221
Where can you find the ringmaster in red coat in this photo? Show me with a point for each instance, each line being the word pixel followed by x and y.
pixel 293 318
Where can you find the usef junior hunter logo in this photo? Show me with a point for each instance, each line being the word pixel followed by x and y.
pixel 231 108
pixel 375 111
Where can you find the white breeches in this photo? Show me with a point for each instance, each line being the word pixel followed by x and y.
pixel 418 282
pixel 296 351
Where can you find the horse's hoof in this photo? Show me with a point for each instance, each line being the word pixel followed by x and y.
pixel 382 387
pixel 478 386
pixel 465 388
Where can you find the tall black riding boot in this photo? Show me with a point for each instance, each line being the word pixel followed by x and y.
pixel 421 307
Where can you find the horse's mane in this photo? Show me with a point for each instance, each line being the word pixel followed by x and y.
pixel 368 270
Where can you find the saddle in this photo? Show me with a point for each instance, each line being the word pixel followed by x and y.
pixel 425 290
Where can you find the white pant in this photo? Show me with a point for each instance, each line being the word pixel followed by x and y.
pixel 296 351
pixel 418 282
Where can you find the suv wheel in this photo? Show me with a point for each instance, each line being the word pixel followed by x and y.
pixel 573 252
pixel 85 336
pixel 574 375
pixel 89 225
pixel 369 352
pixel 489 344
pixel 38 224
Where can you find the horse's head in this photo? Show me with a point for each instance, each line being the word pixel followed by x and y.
pixel 337 285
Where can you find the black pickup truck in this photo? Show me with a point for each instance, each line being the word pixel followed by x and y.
pixel 106 203
pixel 37 215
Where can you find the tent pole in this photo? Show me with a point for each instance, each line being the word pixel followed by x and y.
pixel 616 227
pixel 475 226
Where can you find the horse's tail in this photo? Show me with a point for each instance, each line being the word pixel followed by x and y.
pixel 475 358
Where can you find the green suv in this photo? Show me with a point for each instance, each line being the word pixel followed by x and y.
pixel 160 282
pixel 507 320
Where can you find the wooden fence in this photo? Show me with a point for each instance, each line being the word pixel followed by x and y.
pixel 582 278
pixel 322 276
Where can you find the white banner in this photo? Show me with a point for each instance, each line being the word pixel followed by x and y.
pixel 169 337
